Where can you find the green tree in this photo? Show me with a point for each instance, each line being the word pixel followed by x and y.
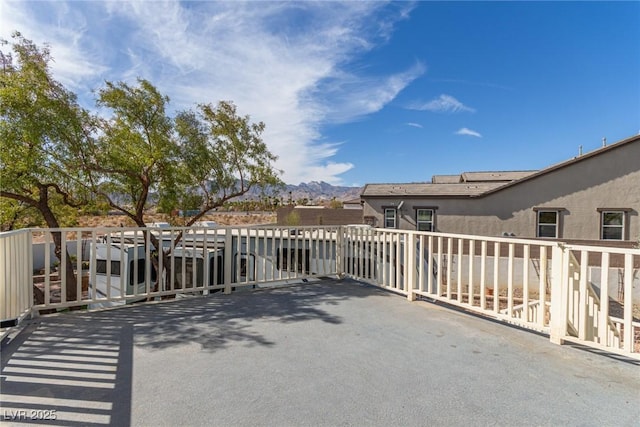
pixel 135 153
pixel 336 204
pixel 292 219
pixel 43 133
pixel 222 156
pixel 211 155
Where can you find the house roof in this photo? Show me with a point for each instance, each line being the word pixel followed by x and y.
pixel 428 189
pixel 566 163
pixel 446 179
pixel 491 176
pixel 477 183
pixel 352 201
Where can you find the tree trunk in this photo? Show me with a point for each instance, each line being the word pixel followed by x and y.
pixel 71 284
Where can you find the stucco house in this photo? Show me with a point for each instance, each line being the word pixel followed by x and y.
pixel 592 197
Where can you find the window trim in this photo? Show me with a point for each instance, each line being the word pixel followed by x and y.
pixel 623 227
pixel 395 216
pixel 432 222
pixel 557 224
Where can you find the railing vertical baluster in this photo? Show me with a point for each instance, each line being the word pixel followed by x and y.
pixel 526 255
pixel 449 266
pixel 400 268
pixel 459 275
pixel 136 248
pixel 431 268
pixel 410 265
pixel 264 254
pixel 439 267
pixel 483 275
pixel 93 262
pixel 29 279
pixel 62 268
pixel 275 234
pixel 542 287
pixel 78 265
pixel 228 260
pixel 383 236
pixel 194 260
pixel 496 276
pixel 559 289
pixel 206 284
pixel 421 261
pixel 628 303
pixel 510 280
pixel 123 269
pixel 472 254
pixel 604 300
pixel 583 300
pixel 147 265
pixel 47 268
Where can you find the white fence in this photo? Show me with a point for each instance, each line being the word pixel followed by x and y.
pixel 545 286
pixel 533 284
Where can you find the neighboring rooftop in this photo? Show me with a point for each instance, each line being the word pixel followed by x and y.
pixel 474 184
pixel 495 176
pixel 428 189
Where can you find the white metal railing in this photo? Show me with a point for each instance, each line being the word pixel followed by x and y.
pixel 113 266
pixel 15 277
pixel 499 277
pixel 545 286
pixel 596 314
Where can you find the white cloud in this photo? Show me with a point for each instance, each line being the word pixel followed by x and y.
pixel 442 104
pixel 286 64
pixel 469 132
pixel 415 125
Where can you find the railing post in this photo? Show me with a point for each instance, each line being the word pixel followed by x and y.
pixel 410 263
pixel 559 283
pixel 340 241
pixel 228 258
pixel 29 303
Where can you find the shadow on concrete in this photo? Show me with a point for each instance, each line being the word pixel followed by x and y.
pixel 215 321
pixel 68 372
pixel 75 369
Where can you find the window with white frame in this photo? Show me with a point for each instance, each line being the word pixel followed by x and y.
pixel 548 224
pixel 390 218
pixel 612 224
pixel 424 219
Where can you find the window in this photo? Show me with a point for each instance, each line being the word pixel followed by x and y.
pixel 424 219
pixel 390 218
pixel 547 224
pixel 141 267
pixel 101 267
pixel 612 225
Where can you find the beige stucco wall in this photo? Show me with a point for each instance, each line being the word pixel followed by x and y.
pixel 608 180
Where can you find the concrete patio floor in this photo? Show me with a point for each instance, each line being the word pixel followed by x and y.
pixel 329 353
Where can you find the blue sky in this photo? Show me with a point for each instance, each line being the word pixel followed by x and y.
pixel 364 92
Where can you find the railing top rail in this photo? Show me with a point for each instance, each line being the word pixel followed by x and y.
pixel 472 237
pixel 607 249
pixel 14 232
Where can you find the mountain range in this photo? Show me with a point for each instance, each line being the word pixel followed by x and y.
pixel 313 191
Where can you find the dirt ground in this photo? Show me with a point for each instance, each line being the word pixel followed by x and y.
pixel 223 218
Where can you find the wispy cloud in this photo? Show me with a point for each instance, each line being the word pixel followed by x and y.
pixel 469 132
pixel 288 64
pixel 442 104
pixel 473 83
pixel 415 125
